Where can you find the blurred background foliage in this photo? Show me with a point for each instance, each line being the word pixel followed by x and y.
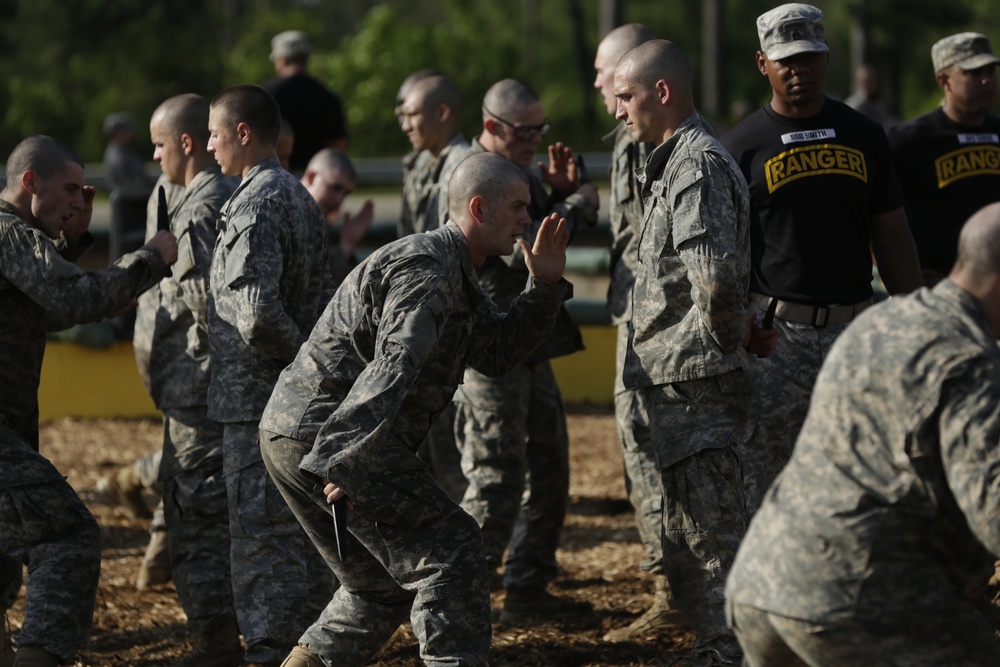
pixel 68 63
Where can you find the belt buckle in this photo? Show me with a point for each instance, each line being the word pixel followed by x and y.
pixel 815 316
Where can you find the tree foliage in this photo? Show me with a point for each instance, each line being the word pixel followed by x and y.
pixel 68 63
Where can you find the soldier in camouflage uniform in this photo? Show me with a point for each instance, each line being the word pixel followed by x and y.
pixel 430 115
pixel 269 280
pixel 862 549
pixel 330 178
pixel 690 324
pixel 642 479
pixel 348 414
pixel 45 211
pixel 512 430
pixel 416 164
pixel 816 224
pixel 194 489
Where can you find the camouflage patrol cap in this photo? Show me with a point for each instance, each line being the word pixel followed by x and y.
pixel 791 29
pixel 290 44
pixel 967 50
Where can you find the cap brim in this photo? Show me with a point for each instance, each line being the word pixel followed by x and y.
pixel 782 51
pixel 977 61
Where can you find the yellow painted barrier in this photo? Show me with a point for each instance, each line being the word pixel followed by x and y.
pixel 79 381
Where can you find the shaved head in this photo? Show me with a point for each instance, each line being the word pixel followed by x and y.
pixel 433 91
pixel 330 159
pixel 979 243
pixel 485 175
pixel 659 60
pixel 624 38
pixel 614 45
pixel 508 97
pixel 184 114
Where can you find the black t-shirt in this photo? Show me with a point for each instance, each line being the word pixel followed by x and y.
pixel 814 185
pixel 948 172
pixel 314 113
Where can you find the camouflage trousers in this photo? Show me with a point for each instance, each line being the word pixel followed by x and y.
pixel 196 513
pixel 280 582
pixel 46 527
pixel 440 452
pixel 956 640
pixel 642 476
pixel 703 521
pixel 515 455
pixel 410 552
pixel 783 384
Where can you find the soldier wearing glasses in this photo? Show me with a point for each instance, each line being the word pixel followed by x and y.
pixel 513 429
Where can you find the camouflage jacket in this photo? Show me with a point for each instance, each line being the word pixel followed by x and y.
pixel 693 264
pixel 149 301
pixel 426 186
pixel 417 167
pixel 179 356
pixel 503 278
pixel 269 284
pixel 389 351
pixel 627 157
pixel 41 290
pixel 890 493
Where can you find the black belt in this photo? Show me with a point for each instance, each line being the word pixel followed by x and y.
pixel 817 316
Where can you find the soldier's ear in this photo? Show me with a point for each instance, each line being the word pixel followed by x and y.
pixel 476 209
pixel 187 143
pixel 29 181
pixel 443 112
pixel 244 133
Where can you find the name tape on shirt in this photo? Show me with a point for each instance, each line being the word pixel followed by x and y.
pixel 817 160
pixel 987 138
pixel 808 135
pixel 965 162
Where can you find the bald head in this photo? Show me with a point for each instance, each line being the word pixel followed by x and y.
pixel 614 45
pixel 434 91
pixel 977 269
pixel 485 175
pixel 184 114
pixel 660 60
pixel 408 82
pixel 329 177
pixel 979 243
pixel 508 97
pixel 653 88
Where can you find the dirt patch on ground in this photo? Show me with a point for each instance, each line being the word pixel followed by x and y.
pixel 600 554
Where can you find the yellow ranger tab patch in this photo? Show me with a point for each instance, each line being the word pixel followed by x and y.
pixel 969 161
pixel 814 160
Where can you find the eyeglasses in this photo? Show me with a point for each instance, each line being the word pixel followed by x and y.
pixel 524 132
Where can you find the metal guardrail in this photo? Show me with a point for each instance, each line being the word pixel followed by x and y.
pixel 372 171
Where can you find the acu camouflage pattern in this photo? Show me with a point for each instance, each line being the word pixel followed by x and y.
pixel 383 361
pixel 783 384
pixel 883 511
pixel 689 312
pixel 512 430
pixel 179 354
pixel 686 351
pixel 269 282
pixel 43 523
pixel 642 477
pixel 41 291
pixel 145 312
pixel 195 509
pixel 425 187
pixel 627 157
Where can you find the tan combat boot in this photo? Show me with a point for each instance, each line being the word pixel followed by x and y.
pixel 155 567
pixel 124 487
pixel 302 657
pixel 660 616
